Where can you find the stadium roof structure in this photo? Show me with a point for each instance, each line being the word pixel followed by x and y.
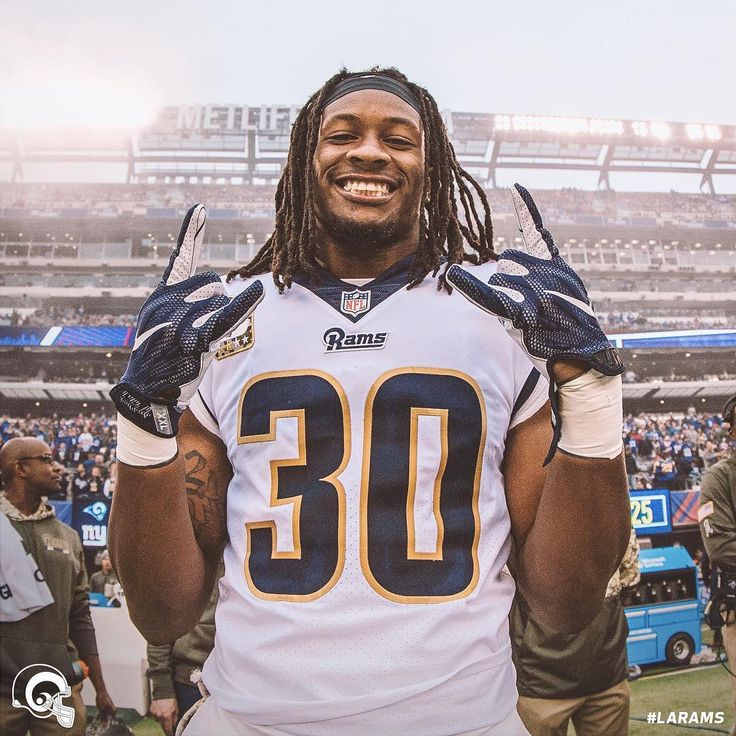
pixel 245 144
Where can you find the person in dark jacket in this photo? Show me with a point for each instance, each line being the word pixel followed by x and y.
pixel 717 518
pixel 664 471
pixel 61 631
pixel 632 468
pixel 171 666
pixel 580 677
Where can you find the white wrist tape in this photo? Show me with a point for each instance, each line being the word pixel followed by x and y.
pixel 138 447
pixel 591 415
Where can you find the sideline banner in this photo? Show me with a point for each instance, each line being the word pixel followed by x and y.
pixel 685 506
pixel 63 511
pixel 89 520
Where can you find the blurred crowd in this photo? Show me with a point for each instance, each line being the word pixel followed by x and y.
pixel 611 319
pixel 662 450
pixel 47 316
pixel 84 445
pixel 676 283
pixel 672 451
pixel 561 205
pixel 623 320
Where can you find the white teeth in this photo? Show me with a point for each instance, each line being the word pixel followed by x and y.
pixel 371 189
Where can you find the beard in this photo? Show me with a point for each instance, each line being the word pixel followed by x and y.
pixel 357 236
pixel 361 236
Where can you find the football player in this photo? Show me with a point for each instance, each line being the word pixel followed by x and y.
pixel 367 443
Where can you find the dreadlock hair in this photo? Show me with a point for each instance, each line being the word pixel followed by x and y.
pixel 292 247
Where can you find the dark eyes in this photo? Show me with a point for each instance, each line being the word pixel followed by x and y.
pixel 341 138
pixel 393 141
pixel 399 142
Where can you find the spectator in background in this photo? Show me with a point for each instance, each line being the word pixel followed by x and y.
pixel 61 453
pixel 685 463
pixel 111 482
pixel 62 435
pixel 79 485
pixel 642 483
pixel 96 461
pixel 664 471
pixel 60 631
pixel 104 580
pixel 85 442
pixel 709 454
pixel 631 465
pixel 96 482
pixel 717 518
pixel 171 666
pixel 580 677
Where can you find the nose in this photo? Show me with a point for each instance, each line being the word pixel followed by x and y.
pixel 368 151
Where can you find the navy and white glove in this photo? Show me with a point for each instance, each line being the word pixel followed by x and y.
pixel 179 327
pixel 540 300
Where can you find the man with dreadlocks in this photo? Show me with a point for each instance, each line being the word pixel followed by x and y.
pixel 367 444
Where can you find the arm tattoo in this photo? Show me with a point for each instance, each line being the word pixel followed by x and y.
pixel 206 498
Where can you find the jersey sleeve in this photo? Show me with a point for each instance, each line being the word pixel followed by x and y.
pixel 202 405
pixel 531 390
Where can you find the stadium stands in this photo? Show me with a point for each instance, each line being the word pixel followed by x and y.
pixel 566 206
pixel 80 256
pixel 670 450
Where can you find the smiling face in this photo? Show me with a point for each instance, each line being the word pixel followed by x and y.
pixel 369 171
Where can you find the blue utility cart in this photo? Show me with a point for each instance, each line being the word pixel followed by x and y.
pixel 663 611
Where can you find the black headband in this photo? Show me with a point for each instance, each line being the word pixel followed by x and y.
pixel 374 81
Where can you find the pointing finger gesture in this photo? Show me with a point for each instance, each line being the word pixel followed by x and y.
pixel 540 300
pixel 178 329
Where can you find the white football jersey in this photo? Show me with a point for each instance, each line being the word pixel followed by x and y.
pixel 368 528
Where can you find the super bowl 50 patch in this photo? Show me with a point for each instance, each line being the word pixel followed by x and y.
pixel 239 342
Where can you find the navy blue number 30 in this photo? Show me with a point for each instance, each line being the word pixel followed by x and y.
pixel 422 455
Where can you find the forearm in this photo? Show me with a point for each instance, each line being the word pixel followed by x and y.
pixel 155 553
pixel 577 540
pixel 95 672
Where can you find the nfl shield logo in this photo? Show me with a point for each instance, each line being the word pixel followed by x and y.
pixel 355 302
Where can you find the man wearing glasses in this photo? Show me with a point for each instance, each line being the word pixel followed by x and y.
pixel 40 633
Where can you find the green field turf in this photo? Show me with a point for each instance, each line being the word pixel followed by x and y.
pixel 699 689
